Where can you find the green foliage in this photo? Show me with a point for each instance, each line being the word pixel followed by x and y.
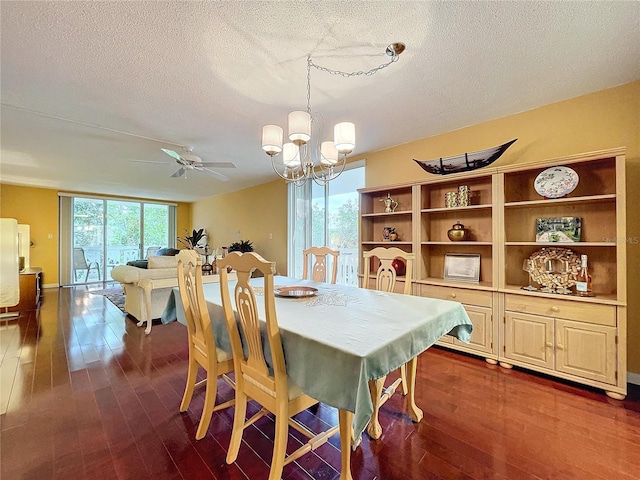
pixel 343 225
pixel 241 246
pixel 190 241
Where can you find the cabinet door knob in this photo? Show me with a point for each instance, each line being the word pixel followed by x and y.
pixel 560 346
pixel 453 295
pixel 555 309
pixel 549 344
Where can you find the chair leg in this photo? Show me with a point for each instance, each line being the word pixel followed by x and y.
pixel 403 375
pixel 280 443
pixel 239 417
pixel 209 401
pixel 190 386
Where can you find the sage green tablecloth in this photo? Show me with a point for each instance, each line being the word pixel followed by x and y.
pixel 337 341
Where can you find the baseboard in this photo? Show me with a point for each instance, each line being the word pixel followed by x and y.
pixel 633 378
pixel 51 285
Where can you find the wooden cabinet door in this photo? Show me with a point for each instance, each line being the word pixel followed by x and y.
pixel 586 350
pixel 481 336
pixel 529 339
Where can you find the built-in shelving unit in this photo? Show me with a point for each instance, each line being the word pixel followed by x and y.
pixel 576 338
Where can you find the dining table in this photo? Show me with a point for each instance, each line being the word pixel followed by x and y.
pixel 338 338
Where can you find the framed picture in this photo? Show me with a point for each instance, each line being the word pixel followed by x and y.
pixel 462 266
pixel 558 229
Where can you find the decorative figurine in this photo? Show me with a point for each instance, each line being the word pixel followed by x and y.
pixel 390 204
pixel 389 234
pixel 207 268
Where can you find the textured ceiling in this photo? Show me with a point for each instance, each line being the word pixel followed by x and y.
pixel 92 90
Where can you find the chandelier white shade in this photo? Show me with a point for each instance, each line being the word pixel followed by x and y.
pixel 304 156
pixel 272 139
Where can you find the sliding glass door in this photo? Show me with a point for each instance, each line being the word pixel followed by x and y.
pixel 327 216
pixel 97 234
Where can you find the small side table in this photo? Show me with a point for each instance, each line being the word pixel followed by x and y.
pixel 30 289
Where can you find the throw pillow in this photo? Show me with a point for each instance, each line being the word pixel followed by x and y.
pixel 167 252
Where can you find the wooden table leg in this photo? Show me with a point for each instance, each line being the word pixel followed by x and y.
pixel 414 412
pixel 375 388
pixel 346 432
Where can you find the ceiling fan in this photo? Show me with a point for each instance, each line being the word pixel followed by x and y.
pixel 188 161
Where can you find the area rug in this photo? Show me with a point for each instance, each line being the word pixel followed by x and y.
pixel 114 295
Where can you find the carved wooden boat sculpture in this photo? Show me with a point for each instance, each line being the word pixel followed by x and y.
pixel 465 161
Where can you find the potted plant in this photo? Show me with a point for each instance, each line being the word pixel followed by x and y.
pixel 242 246
pixel 191 241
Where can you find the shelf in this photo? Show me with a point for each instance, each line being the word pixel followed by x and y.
pixel 599 299
pixel 567 201
pixel 455 209
pixel 382 242
pixel 469 243
pixel 562 244
pixel 387 214
pixel 451 283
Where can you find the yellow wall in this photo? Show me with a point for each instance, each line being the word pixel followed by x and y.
pixel 251 214
pixel 38 207
pixel 597 121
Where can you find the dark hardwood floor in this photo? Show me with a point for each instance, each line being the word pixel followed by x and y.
pixel 85 394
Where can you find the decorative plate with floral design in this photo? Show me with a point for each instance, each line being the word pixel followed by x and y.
pixel 556 182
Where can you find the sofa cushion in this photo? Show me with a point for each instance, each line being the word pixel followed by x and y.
pixel 128 274
pixel 162 262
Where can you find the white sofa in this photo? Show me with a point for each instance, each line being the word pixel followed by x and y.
pixel 147 290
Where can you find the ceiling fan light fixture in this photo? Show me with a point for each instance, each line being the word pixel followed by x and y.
pixel 190 157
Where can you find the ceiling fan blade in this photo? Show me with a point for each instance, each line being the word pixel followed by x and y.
pixel 173 154
pixel 218 164
pixel 179 173
pixel 219 176
pixel 147 161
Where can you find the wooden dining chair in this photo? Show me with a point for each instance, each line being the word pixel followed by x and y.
pixel 261 378
pixel 319 268
pixel 202 346
pixel 386 280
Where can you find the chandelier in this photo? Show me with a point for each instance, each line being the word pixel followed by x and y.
pixel 304 157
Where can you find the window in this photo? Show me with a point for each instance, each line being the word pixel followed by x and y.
pixel 327 216
pixel 96 234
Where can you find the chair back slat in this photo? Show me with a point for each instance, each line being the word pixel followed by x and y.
pixel 193 301
pixel 386 275
pixel 319 268
pixel 247 326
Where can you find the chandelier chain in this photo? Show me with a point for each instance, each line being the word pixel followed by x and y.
pixel 352 74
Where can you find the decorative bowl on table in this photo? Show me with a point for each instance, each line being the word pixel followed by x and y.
pixel 296 291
